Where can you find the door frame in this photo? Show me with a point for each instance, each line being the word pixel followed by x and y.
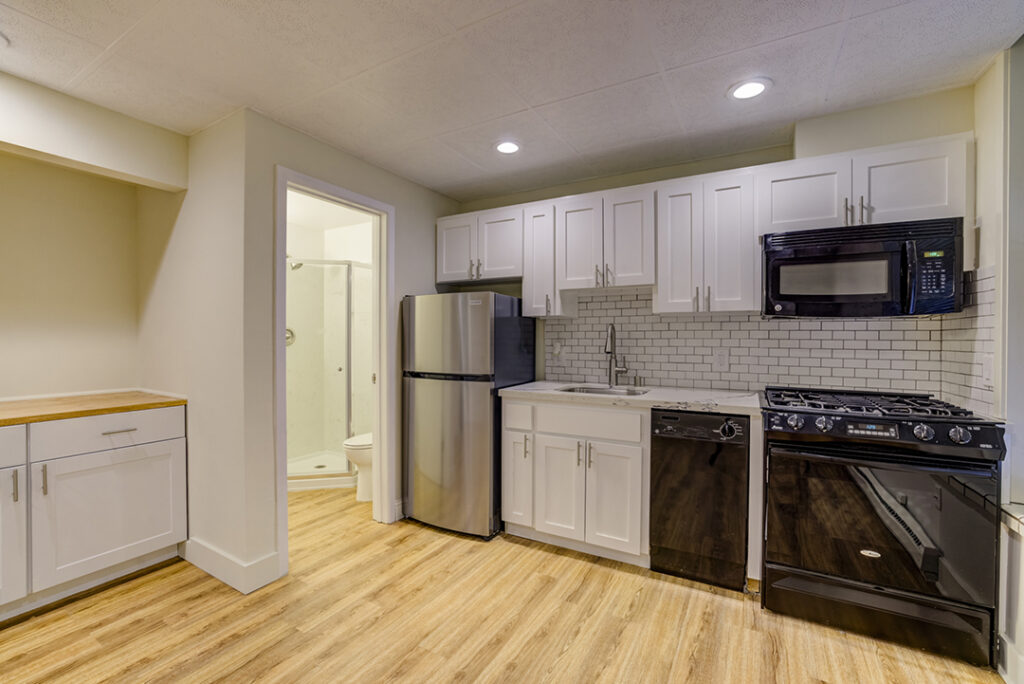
pixel 387 503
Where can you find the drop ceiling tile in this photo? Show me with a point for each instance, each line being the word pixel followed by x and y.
pixel 97 21
pixel 347 120
pixel 39 52
pixel 649 154
pixel 428 162
pixel 800 68
pixel 858 8
pixel 345 37
pixel 459 13
pixel 696 30
pixel 539 144
pixel 615 116
pixel 918 47
pixel 197 49
pixel 443 87
pixel 553 49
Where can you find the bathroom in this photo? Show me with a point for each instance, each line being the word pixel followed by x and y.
pixel 329 338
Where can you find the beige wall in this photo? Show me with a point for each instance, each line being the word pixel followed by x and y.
pixel 989 141
pixel 67 280
pixel 928 116
pixel 42 123
pixel 731 161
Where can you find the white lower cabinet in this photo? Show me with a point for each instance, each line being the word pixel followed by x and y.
pixel 13 534
pixel 587 487
pixel 93 511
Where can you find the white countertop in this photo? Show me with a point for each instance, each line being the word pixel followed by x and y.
pixel 689 399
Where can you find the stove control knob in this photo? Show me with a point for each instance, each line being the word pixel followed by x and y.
pixel 959 435
pixel 795 421
pixel 727 431
pixel 924 432
pixel 823 423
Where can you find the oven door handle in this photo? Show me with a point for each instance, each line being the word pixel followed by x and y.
pixel 910 273
pixel 870 463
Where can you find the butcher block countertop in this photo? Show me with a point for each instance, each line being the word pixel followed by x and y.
pixel 21 411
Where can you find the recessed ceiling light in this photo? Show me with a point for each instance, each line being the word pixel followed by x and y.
pixel 748 89
pixel 507 147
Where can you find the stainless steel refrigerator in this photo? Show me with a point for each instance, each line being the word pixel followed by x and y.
pixel 460 349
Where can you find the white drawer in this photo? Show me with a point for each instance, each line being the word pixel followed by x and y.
pixel 12 446
pixel 622 425
pixel 518 416
pixel 57 438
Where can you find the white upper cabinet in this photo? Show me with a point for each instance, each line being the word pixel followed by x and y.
pixel 456 248
pixel 680 246
pixel 579 242
pixel 629 236
pixel 731 269
pixel 803 194
pixel 500 244
pixel 486 245
pixel 917 182
pixel 539 294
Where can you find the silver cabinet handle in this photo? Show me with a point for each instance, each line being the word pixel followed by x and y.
pixel 862 208
pixel 696 298
pixel 707 300
pixel 471 268
pixel 478 269
pixel 846 211
pixel 608 275
pixel 45 488
pixel 121 432
pixel 14 475
pixel 526 445
pixel 547 304
pixel 597 276
pixel 579 455
pixel 590 455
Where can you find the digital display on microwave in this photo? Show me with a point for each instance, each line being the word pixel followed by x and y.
pixel 935 254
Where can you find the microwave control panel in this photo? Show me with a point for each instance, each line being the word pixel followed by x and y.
pixel 935 278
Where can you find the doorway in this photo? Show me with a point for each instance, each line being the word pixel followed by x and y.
pixel 336 334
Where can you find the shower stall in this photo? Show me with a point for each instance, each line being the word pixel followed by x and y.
pixel 329 360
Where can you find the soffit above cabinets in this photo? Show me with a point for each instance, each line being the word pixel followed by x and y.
pixel 425 88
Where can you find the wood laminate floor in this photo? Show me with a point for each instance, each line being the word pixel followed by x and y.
pixel 367 602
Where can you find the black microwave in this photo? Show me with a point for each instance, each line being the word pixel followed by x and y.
pixel 910 268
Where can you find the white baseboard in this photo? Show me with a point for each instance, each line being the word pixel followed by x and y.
pixel 245 577
pixel 335 482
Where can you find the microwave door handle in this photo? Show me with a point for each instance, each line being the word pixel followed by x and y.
pixel 910 270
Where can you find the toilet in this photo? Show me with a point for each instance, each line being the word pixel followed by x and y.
pixel 359 450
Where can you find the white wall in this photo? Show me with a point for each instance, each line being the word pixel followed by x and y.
pixel 39 122
pixel 68 282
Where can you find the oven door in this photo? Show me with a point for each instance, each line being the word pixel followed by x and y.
pixel 925 529
pixel 849 279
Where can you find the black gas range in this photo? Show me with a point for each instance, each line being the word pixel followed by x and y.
pixel 882 516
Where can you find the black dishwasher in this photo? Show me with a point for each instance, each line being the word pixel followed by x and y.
pixel 699 473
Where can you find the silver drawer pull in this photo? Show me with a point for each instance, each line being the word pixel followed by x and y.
pixel 15 475
pixel 45 488
pixel 118 432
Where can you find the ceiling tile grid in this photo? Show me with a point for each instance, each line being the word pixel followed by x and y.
pixel 426 88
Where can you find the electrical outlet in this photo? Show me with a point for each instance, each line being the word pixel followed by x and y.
pixel 720 360
pixel 556 348
pixel 986 371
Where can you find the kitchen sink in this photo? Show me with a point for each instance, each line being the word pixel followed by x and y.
pixel 622 391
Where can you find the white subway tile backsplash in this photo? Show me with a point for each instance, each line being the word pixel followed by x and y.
pixel 939 354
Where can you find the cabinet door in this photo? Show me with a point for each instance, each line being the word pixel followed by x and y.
pixel 917 182
pixel 539 261
pixel 500 243
pixel 13 534
pixel 629 236
pixel 558 486
pixel 456 248
pixel 93 511
pixel 579 242
pixel 680 246
pixel 731 250
pixel 517 478
pixel 614 508
pixel 803 194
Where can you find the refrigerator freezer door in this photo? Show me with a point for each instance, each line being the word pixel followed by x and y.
pixel 449 333
pixel 449 449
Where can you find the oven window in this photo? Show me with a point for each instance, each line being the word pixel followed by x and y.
pixel 835 278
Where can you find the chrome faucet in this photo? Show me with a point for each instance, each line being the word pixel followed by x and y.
pixel 614 369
